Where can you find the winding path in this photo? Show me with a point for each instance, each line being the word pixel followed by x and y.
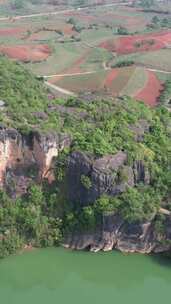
pixel 105 68
pixel 59 89
pixel 159 71
pixel 68 74
pixel 63 11
pixel 96 71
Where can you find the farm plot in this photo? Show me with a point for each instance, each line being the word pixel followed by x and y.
pixel 11 32
pixel 51 45
pixel 41 35
pixel 95 59
pixel 120 81
pixel 77 65
pixel 126 16
pixel 160 60
pixel 136 82
pixel 81 16
pixel 26 53
pixel 130 22
pixel 81 83
pixel 112 81
pixel 51 31
pixel 64 59
pixel 138 43
pixel 111 76
pixel 132 81
pixel 151 92
pixel 96 36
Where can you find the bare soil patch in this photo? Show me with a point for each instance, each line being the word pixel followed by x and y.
pixel 26 53
pixel 138 43
pixel 151 92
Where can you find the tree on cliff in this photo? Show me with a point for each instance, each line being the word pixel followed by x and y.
pixel 124 140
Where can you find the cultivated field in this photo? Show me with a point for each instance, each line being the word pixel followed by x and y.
pixel 78 48
pixel 138 43
pixel 132 81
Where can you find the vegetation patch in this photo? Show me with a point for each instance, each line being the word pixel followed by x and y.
pixel 165 97
pixel 97 128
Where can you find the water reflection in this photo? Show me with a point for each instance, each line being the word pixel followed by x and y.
pixel 163 260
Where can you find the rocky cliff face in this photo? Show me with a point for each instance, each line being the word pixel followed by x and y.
pixel 26 158
pixel 108 175
pixel 130 238
pixel 111 175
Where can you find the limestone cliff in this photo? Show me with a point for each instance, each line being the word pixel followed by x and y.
pixel 24 158
pixel 104 174
pixel 115 233
pixel 27 157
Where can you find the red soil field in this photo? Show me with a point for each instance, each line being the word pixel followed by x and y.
pixel 150 93
pixel 138 43
pixel 11 31
pixel 25 53
pixel 67 30
pixel 110 77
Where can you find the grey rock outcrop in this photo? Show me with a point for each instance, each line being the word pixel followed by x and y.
pixel 112 175
pixel 114 233
pixel 108 175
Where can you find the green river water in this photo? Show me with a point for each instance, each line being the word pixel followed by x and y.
pixel 62 276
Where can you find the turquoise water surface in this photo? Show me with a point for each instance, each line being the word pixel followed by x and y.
pixel 61 276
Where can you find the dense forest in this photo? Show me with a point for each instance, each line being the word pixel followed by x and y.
pixel 98 128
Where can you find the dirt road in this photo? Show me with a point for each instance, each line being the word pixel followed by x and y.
pixel 59 89
pixel 62 11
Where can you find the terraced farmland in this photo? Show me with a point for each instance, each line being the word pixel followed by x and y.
pixel 132 81
pixel 81 46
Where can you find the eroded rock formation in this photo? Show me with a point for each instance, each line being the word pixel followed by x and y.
pixel 25 158
pixel 112 175
pixel 130 238
pixel 105 176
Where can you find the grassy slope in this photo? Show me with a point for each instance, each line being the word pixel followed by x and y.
pixel 83 82
pixel 136 82
pixel 62 58
pixel 122 79
pixel 156 59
